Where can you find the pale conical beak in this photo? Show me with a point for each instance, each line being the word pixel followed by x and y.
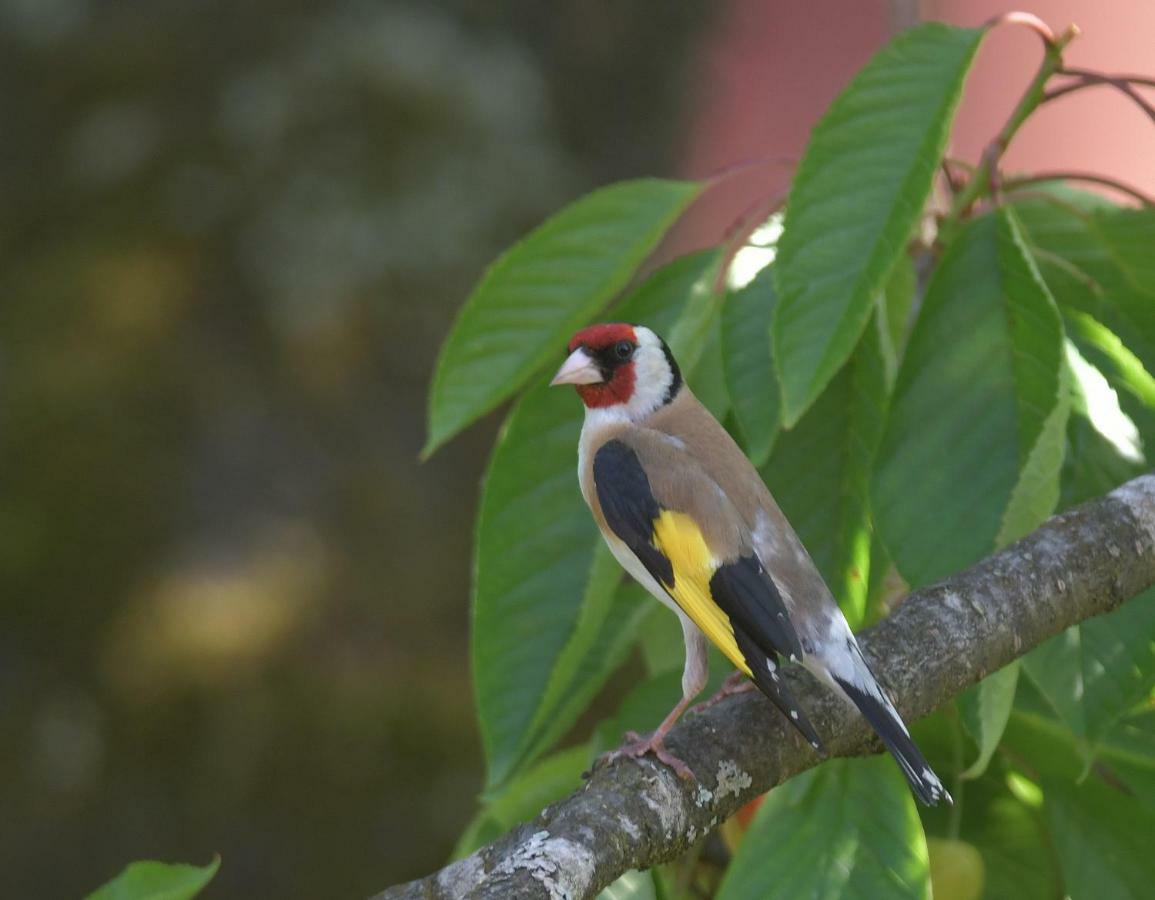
pixel 577 369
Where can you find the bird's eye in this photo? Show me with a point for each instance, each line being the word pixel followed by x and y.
pixel 624 349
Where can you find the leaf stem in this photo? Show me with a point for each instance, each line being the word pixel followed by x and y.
pixel 986 175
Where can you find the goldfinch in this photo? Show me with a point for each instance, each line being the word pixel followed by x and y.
pixel 687 515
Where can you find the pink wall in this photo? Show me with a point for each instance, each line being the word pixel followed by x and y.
pixel 770 69
pixel 1098 129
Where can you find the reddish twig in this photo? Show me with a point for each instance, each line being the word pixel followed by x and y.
pixel 738 168
pixel 1145 80
pixel 1027 20
pixel 1094 79
pixel 952 183
pixel 1090 177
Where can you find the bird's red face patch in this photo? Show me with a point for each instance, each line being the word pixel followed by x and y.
pixel 606 344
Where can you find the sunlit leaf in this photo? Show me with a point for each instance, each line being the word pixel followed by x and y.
pixel 540 291
pixel 976 395
pixel 859 191
pixel 157 881
pixel 1105 449
pixel 633 885
pixel 848 829
pixel 1118 393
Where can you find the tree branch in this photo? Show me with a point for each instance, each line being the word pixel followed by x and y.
pixel 635 814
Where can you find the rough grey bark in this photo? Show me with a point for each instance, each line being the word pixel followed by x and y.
pixel 635 814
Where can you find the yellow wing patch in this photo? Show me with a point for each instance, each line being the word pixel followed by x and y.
pixel 681 542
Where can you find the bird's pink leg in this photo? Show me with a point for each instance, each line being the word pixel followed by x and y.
pixel 654 743
pixel 694 676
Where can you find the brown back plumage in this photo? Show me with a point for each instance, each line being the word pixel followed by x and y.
pixel 694 466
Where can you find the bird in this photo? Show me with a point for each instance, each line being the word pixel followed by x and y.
pixel 687 515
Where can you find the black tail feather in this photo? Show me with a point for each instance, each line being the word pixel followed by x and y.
pixel 770 682
pixel 884 720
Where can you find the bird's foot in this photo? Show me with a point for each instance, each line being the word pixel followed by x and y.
pixel 637 746
pixel 737 683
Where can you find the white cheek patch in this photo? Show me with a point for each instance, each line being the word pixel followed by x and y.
pixel 652 375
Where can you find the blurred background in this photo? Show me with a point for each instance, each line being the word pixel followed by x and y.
pixel 234 609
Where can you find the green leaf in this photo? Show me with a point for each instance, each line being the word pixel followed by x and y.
pixel 1102 841
pixel 1012 841
pixel 1127 370
pixel 1129 751
pixel 157 881
pixel 1129 235
pixel 1094 673
pixel 524 797
pixel 546 635
pixel 749 365
pixel 1094 465
pixel 857 197
pixel 540 291
pixel 970 452
pixel 690 333
pixel 898 304
pixel 600 642
pixel 534 554
pixel 1125 756
pixel 1036 493
pixel 707 378
pixel 848 829
pixel 985 708
pixel 1090 254
pixel 819 473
